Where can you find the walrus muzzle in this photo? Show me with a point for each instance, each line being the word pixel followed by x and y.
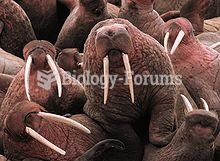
pixel 115 37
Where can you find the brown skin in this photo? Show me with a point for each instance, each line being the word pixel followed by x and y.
pixel 119 115
pixel 10 64
pixel 45 17
pixel 79 23
pixel 193 141
pixel 70 60
pixel 73 96
pixel 194 11
pixel 18 145
pixel 200 69
pixel 16 29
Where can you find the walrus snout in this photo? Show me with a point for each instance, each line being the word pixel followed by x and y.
pixel 115 36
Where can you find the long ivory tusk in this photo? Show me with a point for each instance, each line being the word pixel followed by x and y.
pixel 129 75
pixel 215 45
pixel 27 76
pixel 44 141
pixel 65 120
pixel 106 78
pixel 187 103
pixel 205 104
pixel 166 38
pixel 178 40
pixel 56 74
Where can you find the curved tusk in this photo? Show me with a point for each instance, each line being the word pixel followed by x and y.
pixel 166 39
pixel 205 104
pixel 44 141
pixel 27 76
pixel 106 78
pixel 187 103
pixel 65 120
pixel 129 75
pixel 178 40
pixel 56 74
pixel 215 45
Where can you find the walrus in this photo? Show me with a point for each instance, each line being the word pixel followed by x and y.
pixel 193 141
pixel 116 47
pixel 31 132
pixel 15 28
pixel 40 81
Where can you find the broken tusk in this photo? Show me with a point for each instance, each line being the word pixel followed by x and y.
pixel 65 120
pixel 178 40
pixel 27 76
pixel 215 45
pixel 44 141
pixel 166 38
pixel 205 104
pixel 187 103
pixel 106 78
pixel 56 74
pixel 129 75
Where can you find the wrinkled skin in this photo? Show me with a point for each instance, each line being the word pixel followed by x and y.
pixel 15 28
pixel 194 140
pixel 210 38
pixel 119 114
pixel 102 150
pixel 70 60
pixel 200 68
pixel 163 6
pixel 79 23
pixel 18 145
pixel 194 11
pixel 45 17
pixel 10 64
pixel 142 15
pixel 73 96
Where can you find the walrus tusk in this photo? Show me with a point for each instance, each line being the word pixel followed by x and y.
pixel 56 74
pixel 166 39
pixel 44 141
pixel 205 104
pixel 106 78
pixel 65 120
pixel 187 103
pixel 27 76
pixel 129 75
pixel 215 45
pixel 178 40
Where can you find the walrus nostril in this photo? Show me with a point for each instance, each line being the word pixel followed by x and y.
pixel 110 33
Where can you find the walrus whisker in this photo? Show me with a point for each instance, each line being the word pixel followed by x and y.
pixel 129 75
pixel 166 39
pixel 178 40
pixel 56 74
pixel 27 76
pixel 106 78
pixel 44 141
pixel 187 103
pixel 205 104
pixel 65 120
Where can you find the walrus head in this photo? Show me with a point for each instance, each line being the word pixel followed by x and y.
pixel 25 120
pixel 40 55
pixel 177 31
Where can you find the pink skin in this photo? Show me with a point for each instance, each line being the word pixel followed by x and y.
pixel 18 145
pixel 197 63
